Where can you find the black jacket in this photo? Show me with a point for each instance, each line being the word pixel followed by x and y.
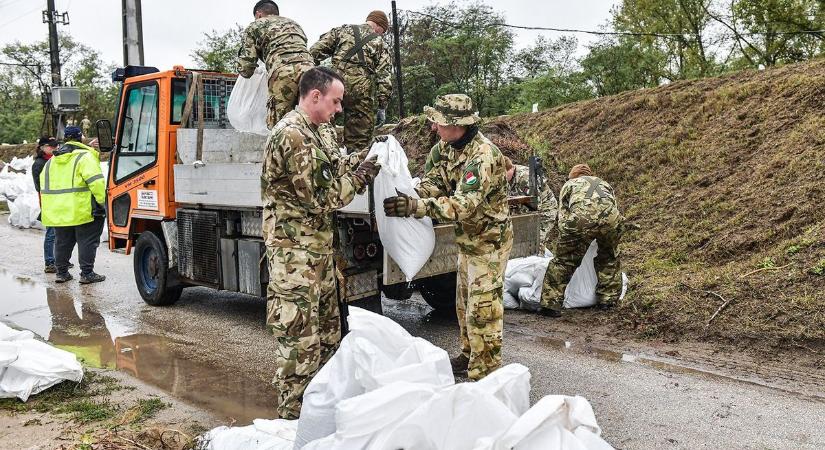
pixel 37 167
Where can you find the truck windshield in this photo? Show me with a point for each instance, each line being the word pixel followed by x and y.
pixel 137 149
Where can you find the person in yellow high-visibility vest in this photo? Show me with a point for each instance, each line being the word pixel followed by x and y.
pixel 73 192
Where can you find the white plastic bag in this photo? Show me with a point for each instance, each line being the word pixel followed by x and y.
pixel 30 366
pixel 277 434
pixel 23 211
pixel 376 352
pixel 246 109
pixel 409 241
pixel 555 422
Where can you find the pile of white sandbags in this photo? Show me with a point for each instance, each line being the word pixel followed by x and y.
pixel 385 389
pixel 524 277
pixel 17 189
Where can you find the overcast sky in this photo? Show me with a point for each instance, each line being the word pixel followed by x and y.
pixel 172 28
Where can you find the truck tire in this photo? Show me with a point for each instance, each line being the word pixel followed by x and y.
pixel 152 274
pixel 439 292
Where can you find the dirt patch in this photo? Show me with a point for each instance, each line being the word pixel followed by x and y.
pixel 725 176
pixel 415 136
pixel 107 410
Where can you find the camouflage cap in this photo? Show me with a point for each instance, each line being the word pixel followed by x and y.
pixel 452 109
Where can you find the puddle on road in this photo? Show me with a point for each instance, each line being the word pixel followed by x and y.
pixel 101 342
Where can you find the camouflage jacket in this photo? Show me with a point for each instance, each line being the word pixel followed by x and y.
pixel 303 180
pixel 468 186
pixel 275 40
pixel 371 64
pixel 548 206
pixel 588 200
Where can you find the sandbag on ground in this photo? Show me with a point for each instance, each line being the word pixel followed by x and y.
pixel 28 366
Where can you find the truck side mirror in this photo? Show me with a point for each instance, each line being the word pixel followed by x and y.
pixel 104 135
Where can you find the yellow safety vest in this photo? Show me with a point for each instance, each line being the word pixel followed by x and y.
pixel 67 184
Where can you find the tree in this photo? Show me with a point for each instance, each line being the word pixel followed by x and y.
pixel 680 29
pixel 22 86
pixel 617 65
pixel 545 55
pixel 218 51
pixel 464 48
pixel 771 32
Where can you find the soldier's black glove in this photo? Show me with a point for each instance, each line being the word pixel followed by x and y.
pixel 402 205
pixel 379 138
pixel 367 170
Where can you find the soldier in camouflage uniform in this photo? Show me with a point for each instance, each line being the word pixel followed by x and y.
pixel 587 211
pixel 466 184
pixel 518 179
pixel 361 56
pixel 304 178
pixel 281 44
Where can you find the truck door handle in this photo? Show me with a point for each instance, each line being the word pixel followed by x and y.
pixel 149 183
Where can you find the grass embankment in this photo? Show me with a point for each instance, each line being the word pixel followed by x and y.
pixel 726 177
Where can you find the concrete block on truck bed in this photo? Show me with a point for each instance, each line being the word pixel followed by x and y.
pixel 221 145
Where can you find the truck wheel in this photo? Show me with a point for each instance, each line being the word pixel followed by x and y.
pixel 439 292
pixel 152 274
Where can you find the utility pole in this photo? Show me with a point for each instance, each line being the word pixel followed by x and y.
pixel 132 33
pixel 52 17
pixel 397 45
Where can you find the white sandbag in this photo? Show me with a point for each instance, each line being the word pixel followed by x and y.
pixel 524 278
pixel 359 419
pixel 555 422
pixel 453 419
pixel 409 241
pixel 246 109
pixel 277 434
pixel 510 301
pixel 38 366
pixel 510 385
pixel 376 352
pixel 23 211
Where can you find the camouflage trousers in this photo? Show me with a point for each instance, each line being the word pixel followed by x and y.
pixel 283 91
pixel 302 313
pixel 570 247
pixel 479 306
pixel 359 115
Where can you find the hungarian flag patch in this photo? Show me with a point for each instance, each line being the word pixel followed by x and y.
pixel 471 180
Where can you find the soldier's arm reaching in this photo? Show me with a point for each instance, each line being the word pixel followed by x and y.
pixel 247 54
pixel 325 47
pixel 548 206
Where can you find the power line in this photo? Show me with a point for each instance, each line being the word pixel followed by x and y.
pixel 19 17
pixel 610 33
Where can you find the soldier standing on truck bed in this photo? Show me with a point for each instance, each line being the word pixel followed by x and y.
pixel 587 211
pixel 361 56
pixel 303 180
pixel 281 44
pixel 518 179
pixel 466 184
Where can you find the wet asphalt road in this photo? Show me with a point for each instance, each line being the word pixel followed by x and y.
pixel 211 349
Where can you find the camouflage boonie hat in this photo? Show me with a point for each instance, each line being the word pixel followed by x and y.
pixel 453 109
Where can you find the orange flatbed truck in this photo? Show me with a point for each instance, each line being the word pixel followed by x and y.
pixel 184 199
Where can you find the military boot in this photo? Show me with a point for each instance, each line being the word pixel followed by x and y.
pixel 459 364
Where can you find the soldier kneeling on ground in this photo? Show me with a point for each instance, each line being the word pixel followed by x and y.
pixel 587 211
